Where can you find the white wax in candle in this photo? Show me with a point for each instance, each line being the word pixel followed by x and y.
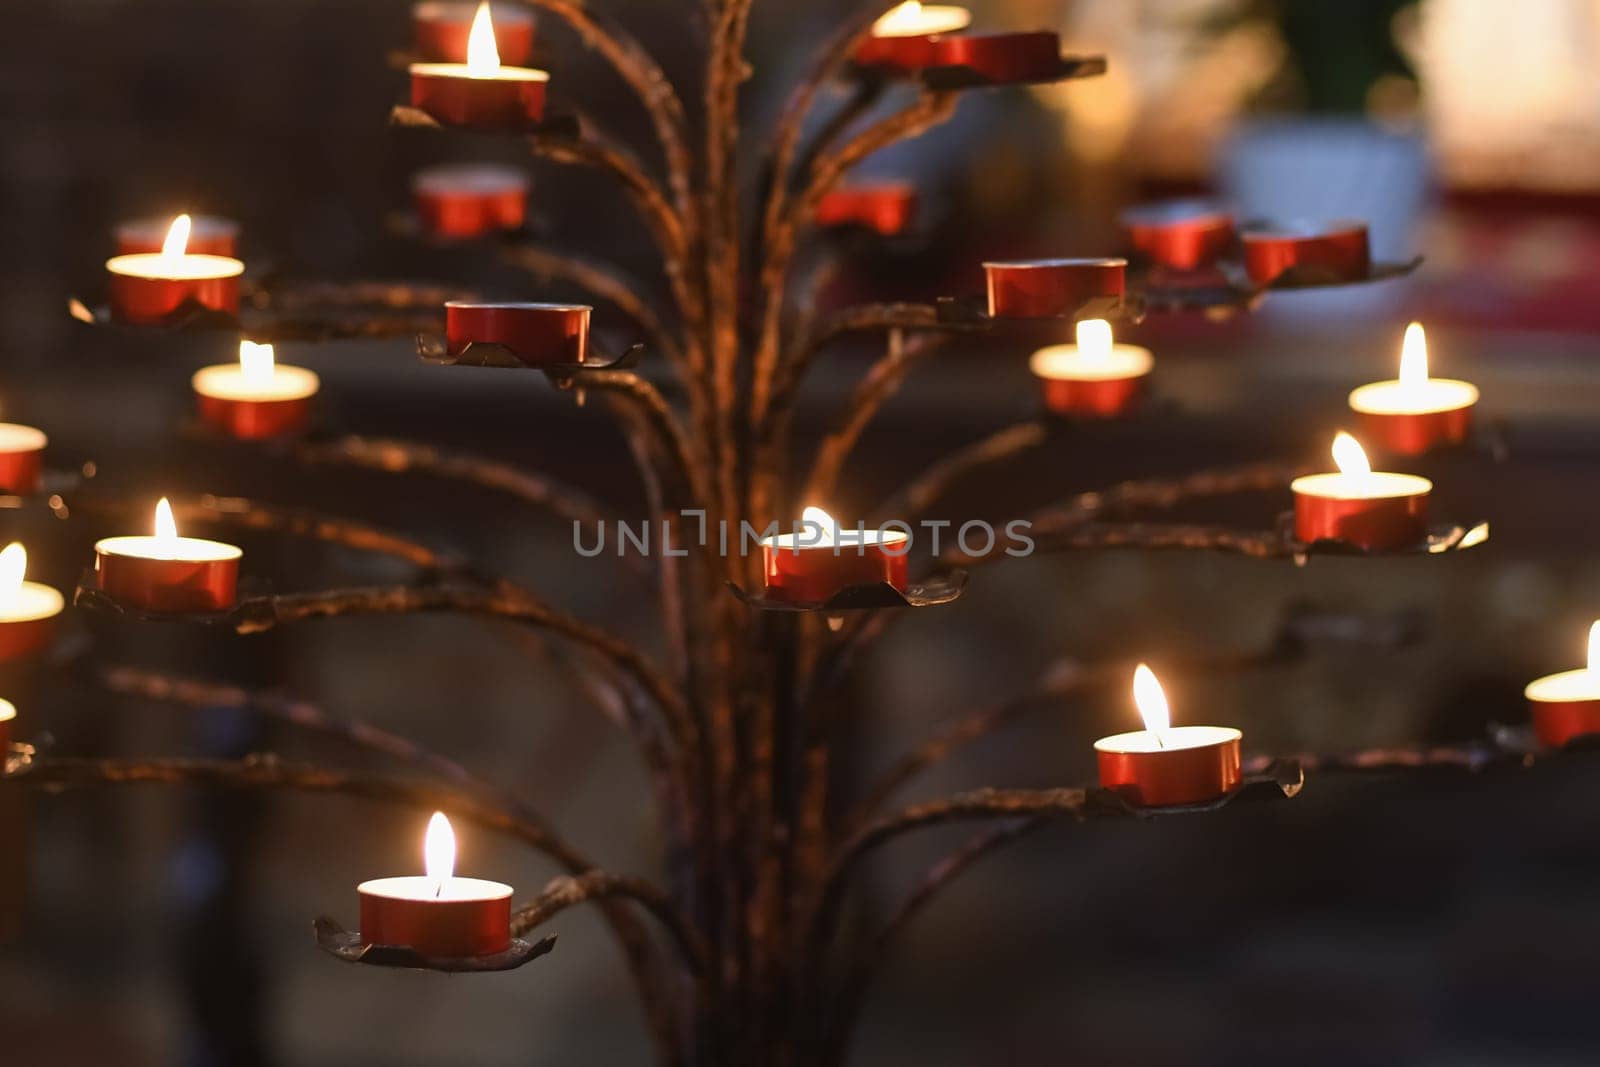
pixel 15 437
pixel 8 711
pixel 847 539
pixel 1071 363
pixel 228 381
pixel 915 20
pixel 1413 398
pixel 461 70
pixel 1581 684
pixel 31 601
pixel 483 178
pixel 1175 738
pixel 186 549
pixel 185 268
pixel 1379 485
pixel 421 887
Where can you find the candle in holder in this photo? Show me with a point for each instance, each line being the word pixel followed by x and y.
pixel 8 718
pixel 1414 413
pixel 479 93
pixel 443 27
pixel 886 208
pixel 1093 377
pixel 437 914
pixel 461 201
pixel 255 397
pixel 540 335
pixel 1327 252
pixel 168 573
pixel 1369 509
pixel 1002 58
pixel 1179 234
pixel 21 458
pixel 810 565
pixel 903 39
pixel 1163 764
pixel 208 235
pixel 1049 288
pixel 28 610
pixel 147 287
pixel 1567 705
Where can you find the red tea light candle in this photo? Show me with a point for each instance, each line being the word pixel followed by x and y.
pixel 1094 377
pixel 209 235
pixel 167 572
pixel 887 208
pixel 147 287
pixel 28 610
pixel 442 29
pixel 1371 510
pixel 539 335
pixel 1180 234
pixel 1163 764
pixel 812 564
pixel 1337 249
pixel 470 200
pixel 480 93
pixel 1046 288
pixel 903 39
pixel 437 914
pixel 1567 705
pixel 1002 58
pixel 21 458
pixel 1415 413
pixel 256 397
pixel 8 718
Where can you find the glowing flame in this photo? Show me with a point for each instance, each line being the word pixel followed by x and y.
pixel 255 362
pixel 1349 456
pixel 177 242
pixel 166 526
pixel 439 851
pixel 814 518
pixel 13 566
pixel 483 55
pixel 1594 648
pixel 1414 356
pixel 1151 701
pixel 906 17
pixel 1094 340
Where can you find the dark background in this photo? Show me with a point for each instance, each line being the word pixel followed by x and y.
pixel 1420 919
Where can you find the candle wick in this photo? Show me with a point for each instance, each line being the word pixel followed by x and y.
pixel 1159 743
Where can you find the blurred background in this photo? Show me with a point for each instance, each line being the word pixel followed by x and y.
pixel 1435 919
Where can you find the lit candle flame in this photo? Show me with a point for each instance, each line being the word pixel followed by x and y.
pixel 177 242
pixel 13 567
pixel 1414 356
pixel 908 16
pixel 1094 340
pixel 1349 456
pixel 814 518
pixel 1151 701
pixel 439 851
pixel 255 362
pixel 1594 648
pixel 166 527
pixel 483 55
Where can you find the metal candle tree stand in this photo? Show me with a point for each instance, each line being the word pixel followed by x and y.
pixel 736 730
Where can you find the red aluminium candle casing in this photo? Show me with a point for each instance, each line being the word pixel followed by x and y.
pixel 1555 722
pixel 478 103
pixel 25 638
pixel 460 203
pixel 150 301
pixel 440 31
pixel 253 420
pixel 1173 776
pixel 1045 288
pixel 887 208
pixel 1376 524
pixel 813 574
pixel 1100 398
pixel 901 55
pixel 173 585
pixel 1340 249
pixel 1002 57
pixel 1414 434
pixel 20 471
pixel 1182 235
pixel 209 235
pixel 447 929
pixel 537 334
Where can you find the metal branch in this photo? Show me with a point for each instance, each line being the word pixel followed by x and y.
pixel 594 885
pixel 671 437
pixel 919 494
pixel 860 319
pixel 1165 493
pixel 1258 544
pixel 604 283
